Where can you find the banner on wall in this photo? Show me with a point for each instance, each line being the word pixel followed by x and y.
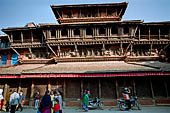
pixel 14 60
pixel 4 59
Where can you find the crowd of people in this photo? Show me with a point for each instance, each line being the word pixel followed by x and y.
pixel 51 102
pixel 13 100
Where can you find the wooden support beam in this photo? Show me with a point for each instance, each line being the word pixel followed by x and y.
pixel 120 11
pixel 59 14
pixel 44 34
pixel 11 37
pixel 150 49
pixel 15 51
pixel 30 52
pixel 32 39
pixel 131 49
pixel 121 48
pixel 135 31
pixel 127 49
pixel 51 50
pixel 22 38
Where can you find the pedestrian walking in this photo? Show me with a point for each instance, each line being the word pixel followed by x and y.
pixel 7 100
pixel 52 100
pixel 59 97
pixel 37 100
pixel 21 100
pixel 85 101
pixel 45 105
pixel 13 101
pixel 56 107
pixel 1 99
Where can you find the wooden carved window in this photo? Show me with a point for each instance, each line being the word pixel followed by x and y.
pixel 102 31
pixel 89 31
pixel 76 32
pixel 64 33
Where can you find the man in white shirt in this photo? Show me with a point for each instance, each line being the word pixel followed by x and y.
pixel 14 98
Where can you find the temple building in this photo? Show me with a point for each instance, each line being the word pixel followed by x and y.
pixel 91 48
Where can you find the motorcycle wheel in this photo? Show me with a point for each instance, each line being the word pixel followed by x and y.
pixel 122 106
pixel 138 105
pixel 101 106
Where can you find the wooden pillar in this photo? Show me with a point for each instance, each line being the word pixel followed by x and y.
pixel 100 89
pixel 152 92
pixel 59 50
pixel 131 49
pixel 84 33
pixel 5 91
pixel 150 49
pixel 49 85
pixel 121 48
pixel 22 39
pixel 64 90
pixel 103 49
pixel 32 93
pixel 32 39
pixel 59 33
pixel 117 89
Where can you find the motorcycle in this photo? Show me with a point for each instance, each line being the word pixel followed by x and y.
pixel 96 103
pixel 134 103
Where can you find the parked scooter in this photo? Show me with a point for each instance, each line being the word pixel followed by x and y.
pixel 134 103
pixel 96 103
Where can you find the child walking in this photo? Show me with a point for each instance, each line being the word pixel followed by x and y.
pixel 56 107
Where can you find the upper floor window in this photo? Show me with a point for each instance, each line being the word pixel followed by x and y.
pixel 67 14
pixel 114 30
pixel 102 31
pixel 76 32
pixel 126 30
pixel 64 33
pixel 53 33
pixel 89 31
pixel 111 12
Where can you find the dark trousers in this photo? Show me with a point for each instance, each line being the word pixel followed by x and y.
pixel 60 111
pixel 129 104
pixel 7 107
pixel 20 106
pixel 13 108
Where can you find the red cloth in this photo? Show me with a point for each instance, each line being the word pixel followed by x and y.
pixel 56 107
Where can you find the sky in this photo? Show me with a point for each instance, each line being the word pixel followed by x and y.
pixel 17 13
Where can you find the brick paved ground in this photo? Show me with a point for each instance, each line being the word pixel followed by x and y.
pixel 148 109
